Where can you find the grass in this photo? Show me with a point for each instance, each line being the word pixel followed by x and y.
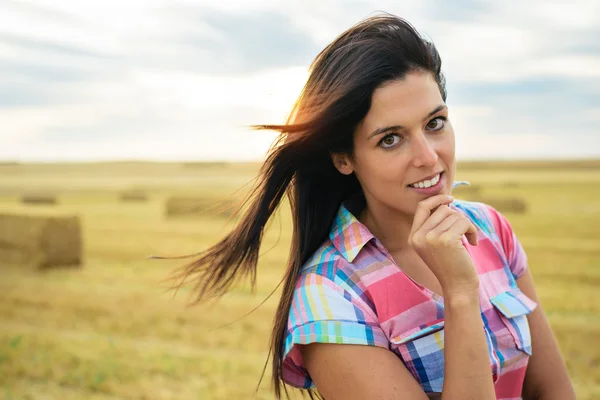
pixel 110 330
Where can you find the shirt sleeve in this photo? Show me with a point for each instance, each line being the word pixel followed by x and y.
pixel 515 254
pixel 324 312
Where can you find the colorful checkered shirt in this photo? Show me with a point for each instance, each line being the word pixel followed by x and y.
pixel 351 292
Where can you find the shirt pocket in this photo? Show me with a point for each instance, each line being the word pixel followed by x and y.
pixel 513 307
pixel 422 351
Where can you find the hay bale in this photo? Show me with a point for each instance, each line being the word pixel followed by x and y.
pixel 40 241
pixel 198 207
pixel 511 184
pixel 505 204
pixel 38 199
pixel 467 192
pixel 133 196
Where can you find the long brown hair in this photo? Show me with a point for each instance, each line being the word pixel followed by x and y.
pixel 336 97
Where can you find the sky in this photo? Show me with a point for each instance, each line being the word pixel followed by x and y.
pixel 88 80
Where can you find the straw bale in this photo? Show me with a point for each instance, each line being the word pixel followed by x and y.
pixel 38 199
pixel 505 204
pixel 40 241
pixel 466 192
pixel 133 196
pixel 198 207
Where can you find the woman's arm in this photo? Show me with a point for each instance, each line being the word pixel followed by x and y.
pixel 467 370
pixel 546 377
pixel 366 372
pixel 358 372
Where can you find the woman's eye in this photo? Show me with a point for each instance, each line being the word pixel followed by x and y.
pixel 390 141
pixel 436 123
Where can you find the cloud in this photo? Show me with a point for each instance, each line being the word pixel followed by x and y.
pixel 506 41
pixel 26 43
pixel 157 79
pixel 241 41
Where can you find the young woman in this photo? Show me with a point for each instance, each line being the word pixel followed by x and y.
pixel 393 289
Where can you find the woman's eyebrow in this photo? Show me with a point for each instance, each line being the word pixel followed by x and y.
pixel 386 129
pixel 380 131
pixel 437 110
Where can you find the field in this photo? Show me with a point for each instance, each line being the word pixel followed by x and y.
pixel 111 330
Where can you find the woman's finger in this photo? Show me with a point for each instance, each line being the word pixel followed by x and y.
pixel 426 207
pixel 457 227
pixel 472 235
pixel 437 217
pixel 447 223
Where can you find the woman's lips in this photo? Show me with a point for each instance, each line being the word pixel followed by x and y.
pixel 431 190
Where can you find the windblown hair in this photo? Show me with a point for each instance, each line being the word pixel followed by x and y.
pixel 336 97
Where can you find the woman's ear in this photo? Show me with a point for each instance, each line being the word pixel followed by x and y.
pixel 342 163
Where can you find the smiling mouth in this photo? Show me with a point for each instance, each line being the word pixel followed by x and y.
pixel 427 182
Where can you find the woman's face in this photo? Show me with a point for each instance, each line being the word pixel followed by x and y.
pixel 405 141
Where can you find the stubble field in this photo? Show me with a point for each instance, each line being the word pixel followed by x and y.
pixel 111 330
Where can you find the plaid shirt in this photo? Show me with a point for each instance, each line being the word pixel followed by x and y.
pixel 351 292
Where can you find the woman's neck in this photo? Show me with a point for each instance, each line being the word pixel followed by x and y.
pixel 391 228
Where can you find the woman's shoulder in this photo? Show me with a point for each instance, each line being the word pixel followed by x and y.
pixel 484 216
pixel 496 227
pixel 325 262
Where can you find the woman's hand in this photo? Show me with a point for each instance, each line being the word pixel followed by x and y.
pixel 436 236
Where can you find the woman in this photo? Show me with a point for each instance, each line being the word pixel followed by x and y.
pixel 393 290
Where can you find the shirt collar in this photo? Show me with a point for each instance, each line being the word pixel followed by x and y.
pixel 348 235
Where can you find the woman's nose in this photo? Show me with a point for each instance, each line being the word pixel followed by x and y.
pixel 425 154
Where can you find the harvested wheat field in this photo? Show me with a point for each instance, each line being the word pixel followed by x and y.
pixel 110 330
pixel 198 207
